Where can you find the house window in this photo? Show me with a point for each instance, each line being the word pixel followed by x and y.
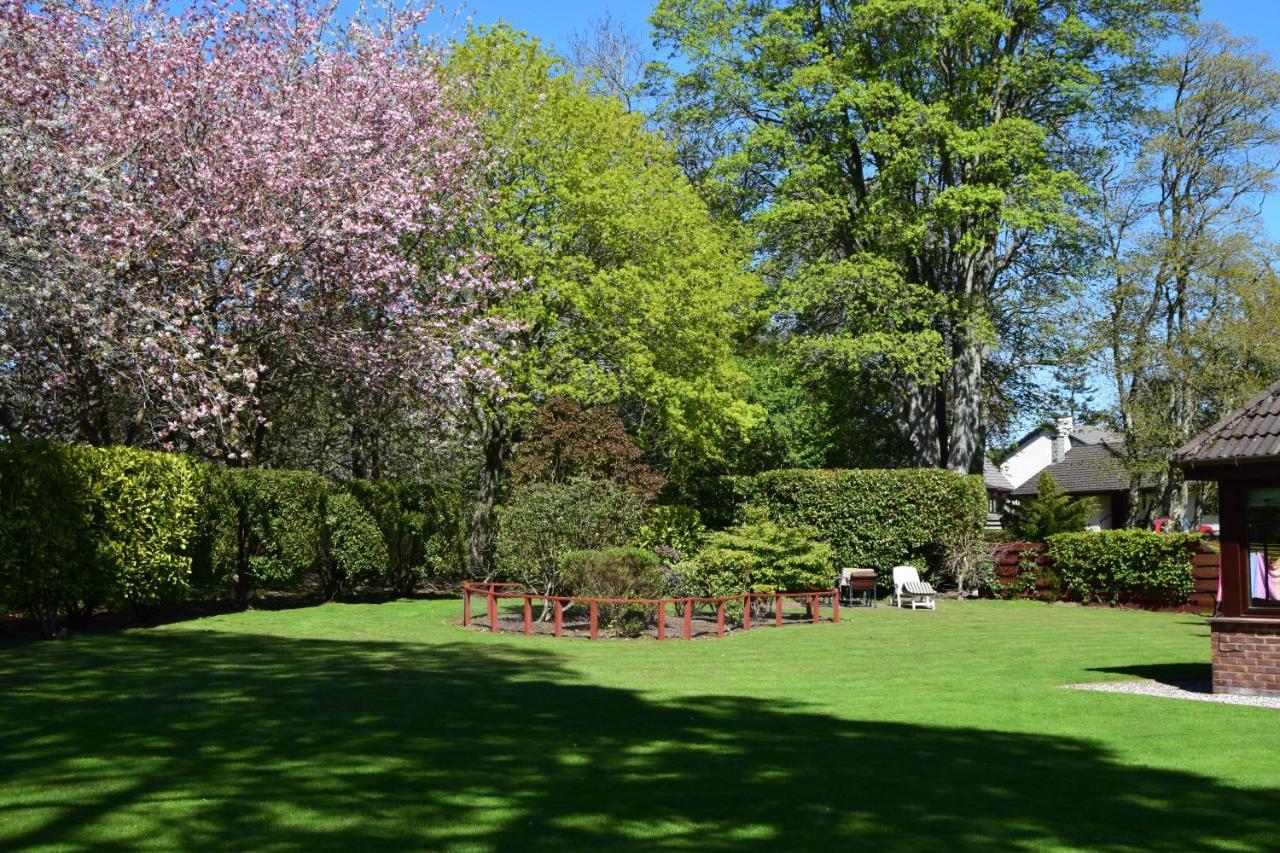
pixel 1262 518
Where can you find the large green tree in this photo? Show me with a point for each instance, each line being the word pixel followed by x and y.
pixel 632 294
pixel 908 170
pixel 1185 308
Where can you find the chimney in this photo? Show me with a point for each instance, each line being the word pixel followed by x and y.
pixel 1062 442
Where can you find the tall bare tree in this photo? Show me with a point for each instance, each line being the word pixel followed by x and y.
pixel 1183 253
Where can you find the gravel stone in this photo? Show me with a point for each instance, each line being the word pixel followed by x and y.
pixel 1198 691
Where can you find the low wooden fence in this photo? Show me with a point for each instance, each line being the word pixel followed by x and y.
pixel 494 593
pixel 1013 559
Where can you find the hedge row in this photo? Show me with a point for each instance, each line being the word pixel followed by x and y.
pixel 84 527
pixel 1116 566
pixel 874 518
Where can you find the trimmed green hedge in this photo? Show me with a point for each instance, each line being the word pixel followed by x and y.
pixel 82 527
pixel 86 527
pixel 875 519
pixel 1115 565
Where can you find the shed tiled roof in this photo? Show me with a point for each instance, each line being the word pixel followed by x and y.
pixel 1086 469
pixel 995 478
pixel 1249 434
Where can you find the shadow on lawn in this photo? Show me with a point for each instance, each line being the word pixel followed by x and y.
pixel 199 740
pixel 1175 674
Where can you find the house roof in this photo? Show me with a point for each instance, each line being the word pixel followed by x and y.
pixel 995 478
pixel 1086 469
pixel 1249 434
pixel 1080 434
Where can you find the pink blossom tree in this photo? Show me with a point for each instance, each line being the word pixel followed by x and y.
pixel 200 210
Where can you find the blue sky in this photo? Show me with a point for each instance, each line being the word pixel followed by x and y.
pixel 554 21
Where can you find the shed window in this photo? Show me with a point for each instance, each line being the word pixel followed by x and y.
pixel 1263 520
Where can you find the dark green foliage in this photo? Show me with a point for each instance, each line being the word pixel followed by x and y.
pixel 47 553
pixel 675 532
pixel 1117 565
pixel 1051 511
pixel 355 553
pixel 267 529
pixel 616 573
pixel 82 527
pixel 542 522
pixel 422 527
pixel 760 556
pixel 875 519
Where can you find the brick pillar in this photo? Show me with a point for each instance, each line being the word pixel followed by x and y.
pixel 1246 656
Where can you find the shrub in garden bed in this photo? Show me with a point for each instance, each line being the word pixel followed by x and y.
pixel 759 556
pixel 616 573
pixel 543 522
pixel 1124 565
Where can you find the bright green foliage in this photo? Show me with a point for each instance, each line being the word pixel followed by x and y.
pixel 1115 565
pixel 897 161
pixel 421 527
pixel 676 531
pixel 875 519
pixel 616 573
pixel 543 522
pixel 632 292
pixel 760 555
pixel 48 564
pixel 1051 511
pixel 145 517
pixel 355 552
pixel 83 526
pixel 267 529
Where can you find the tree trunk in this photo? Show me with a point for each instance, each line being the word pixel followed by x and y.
pixel 920 424
pixel 964 453
pixel 482 541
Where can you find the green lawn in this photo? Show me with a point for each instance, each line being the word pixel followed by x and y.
pixel 354 726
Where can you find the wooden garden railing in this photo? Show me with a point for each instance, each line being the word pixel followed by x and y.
pixel 492 593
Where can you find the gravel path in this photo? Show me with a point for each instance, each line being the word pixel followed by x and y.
pixel 1198 691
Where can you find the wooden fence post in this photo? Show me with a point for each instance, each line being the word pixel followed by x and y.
pixel 493 612
pixel 559 611
pixel 817 609
pixel 688 619
pixel 662 620
pixel 746 612
pixel 466 607
pixel 720 618
pixel 835 608
pixel 528 616
pixel 595 619
pixel 777 619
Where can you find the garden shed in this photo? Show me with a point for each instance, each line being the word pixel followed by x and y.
pixel 1242 453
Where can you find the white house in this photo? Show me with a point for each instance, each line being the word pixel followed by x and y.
pixel 1047 445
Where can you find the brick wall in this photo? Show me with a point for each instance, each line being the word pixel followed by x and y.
pixel 1246 656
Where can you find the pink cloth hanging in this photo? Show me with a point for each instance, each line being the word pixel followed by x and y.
pixel 1261 584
